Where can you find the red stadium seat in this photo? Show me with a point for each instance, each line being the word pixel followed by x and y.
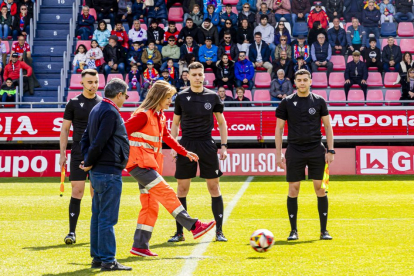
pixel 384 42
pixel 319 80
pixel 262 95
pixel 262 80
pixel 405 29
pixel 321 69
pixel 374 95
pixel 407 45
pixel 229 93
pixel 112 76
pixel 248 94
pixel 6 43
pixel 102 82
pixel 393 95
pixel 356 96
pixel 337 95
pixel 390 78
pixel 75 82
pixel 133 97
pixel 144 26
pixel 209 80
pixel 179 26
pixel 93 13
pixel 73 94
pixel 260 69
pixel 231 2
pixel 177 4
pixel 208 70
pixel 336 80
pixel 87 44
pixel 373 69
pixel 321 93
pixel 338 63
pixel 374 79
pixel 175 14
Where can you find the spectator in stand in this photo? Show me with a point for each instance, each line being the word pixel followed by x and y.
pixel 8 92
pixel 106 10
pixel 21 23
pixel 280 31
pixel 134 56
pixel 138 34
pixel 79 60
pixel 171 69
pixel 138 11
pixel 373 55
pixel 407 87
pixel 405 64
pixel 12 7
pixel 156 33
pixel 152 53
pixel 212 15
pixel 196 16
pixel 245 36
pixel 208 55
pixel 216 3
pixel 315 31
pixel 387 11
pixel 284 63
pixel 353 9
pixel 12 71
pixel 280 87
pixel 171 31
pixel 241 98
pixel 356 37
pixel 391 56
pixel 170 51
pixel 225 72
pixel 264 10
pixel 252 4
pixel 158 12
pixel 102 34
pixel 334 9
pixel 259 53
pixel 209 30
pixel 186 61
pixel 85 24
pixel 282 9
pixel 183 82
pixel 300 10
pixel 370 19
pixel 228 29
pixel 244 71
pixel 321 53
pixel 269 4
pixel 300 65
pixel 356 72
pixel 188 7
pixel 223 97
pixel 318 14
pixel 134 77
pixel 268 33
pixel 114 56
pixel 301 49
pixel 404 11
pixel 228 15
pixel 125 12
pixel 190 30
pixel 246 13
pixel 165 76
pixel 3 57
pixel 6 23
pixel 29 5
pixel 337 38
pixel 283 47
pixel 121 35
pixel 22 48
pixel 189 47
pixel 228 47
pixel 150 76
pixel 93 56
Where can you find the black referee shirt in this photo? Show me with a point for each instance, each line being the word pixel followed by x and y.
pixel 303 116
pixel 77 110
pixel 196 111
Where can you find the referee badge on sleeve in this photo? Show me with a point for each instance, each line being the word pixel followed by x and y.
pixel 207 106
pixel 312 111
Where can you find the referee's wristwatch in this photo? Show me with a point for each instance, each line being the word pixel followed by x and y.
pixel 225 145
pixel 330 151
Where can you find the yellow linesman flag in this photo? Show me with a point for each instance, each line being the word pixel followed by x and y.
pixel 325 180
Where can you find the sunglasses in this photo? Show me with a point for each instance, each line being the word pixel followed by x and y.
pixel 228 23
pixel 23 9
pixel 227 38
pixel 246 7
pixel 242 56
pixel 283 40
pixel 171 40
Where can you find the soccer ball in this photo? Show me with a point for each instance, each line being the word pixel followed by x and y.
pixel 262 240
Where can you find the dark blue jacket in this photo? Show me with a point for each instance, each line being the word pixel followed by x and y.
pixel 104 143
pixel 161 13
pixel 395 51
pixel 86 23
pixel 361 68
pixel 371 18
pixel 137 9
pixel 232 18
pixel 215 18
pixel 403 6
pixel 332 36
pixel 347 5
pixel 265 51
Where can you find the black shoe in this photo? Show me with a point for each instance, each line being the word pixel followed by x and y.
pixel 220 237
pixel 177 237
pixel 70 238
pixel 96 264
pixel 293 235
pixel 114 266
pixel 325 235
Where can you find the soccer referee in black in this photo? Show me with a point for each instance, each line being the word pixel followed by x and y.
pixel 77 113
pixel 303 111
pixel 194 109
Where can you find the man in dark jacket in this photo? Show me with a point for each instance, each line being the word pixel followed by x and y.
pixel 334 8
pixel 259 53
pixel 156 33
pixel 337 38
pixel 403 11
pixel 266 11
pixel 285 64
pixel 321 53
pixel 370 19
pixel 353 8
pixel 391 56
pixel 229 48
pixel 373 55
pixel 190 30
pixel 114 56
pixel 105 148
pixel 244 36
pixel 106 10
pixel 209 30
pixel 85 24
pixel 183 82
pixel 189 47
pixel 356 72
pixel 300 10
pixel 225 72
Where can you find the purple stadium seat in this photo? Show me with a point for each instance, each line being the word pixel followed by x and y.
pixel 374 95
pixel 175 14
pixel 407 45
pixel 338 63
pixel 390 78
pixel 75 82
pixel 356 96
pixel 133 97
pixel 374 79
pixel 319 80
pixel 337 95
pixel 336 80
pixel 262 95
pixel 262 80
pixel 405 29
pixel 321 93
pixel 392 95
pixel 209 79
pixel 112 76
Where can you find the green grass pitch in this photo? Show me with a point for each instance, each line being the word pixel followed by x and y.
pixel 371 219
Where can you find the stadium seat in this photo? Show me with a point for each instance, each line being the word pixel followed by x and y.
pixel 229 93
pixel 231 2
pixel 384 42
pixel 350 58
pixel 133 97
pixel 347 25
pixel 336 80
pixel 248 94
pixel 209 80
pixel 388 29
pixel 374 95
pixel 175 14
pixel 144 26
pixel 390 78
pixel 374 79
pixel 93 13
pixel 102 82
pixel 262 80
pixel 319 80
pixel 87 44
pixel 338 62
pixel 262 95
pixel 331 25
pixel 179 26
pixel 75 82
pixel 300 28
pixel 407 45
pixel 373 69
pixel 177 4
pixel 7 48
pixel 72 94
pixel 208 70
pixel 393 95
pixel 126 26
pixel 112 76
pixel 321 93
pixel 405 29
pixel 337 95
pixel 356 96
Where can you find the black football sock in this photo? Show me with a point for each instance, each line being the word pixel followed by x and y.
pixel 292 207
pixel 74 210
pixel 323 212
pixel 218 208
pixel 183 201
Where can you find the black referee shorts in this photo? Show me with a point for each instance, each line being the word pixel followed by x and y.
pixel 208 160
pixel 76 174
pixel 298 157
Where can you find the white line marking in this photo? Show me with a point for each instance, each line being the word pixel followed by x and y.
pixel 191 263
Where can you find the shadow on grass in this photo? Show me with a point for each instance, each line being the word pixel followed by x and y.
pixel 172 244
pixel 40 248
pixel 256 258
pixel 293 242
pixel 85 271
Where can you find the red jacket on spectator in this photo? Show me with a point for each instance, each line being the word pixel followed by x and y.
pixel 122 38
pixel 13 9
pixel 12 70
pixel 318 16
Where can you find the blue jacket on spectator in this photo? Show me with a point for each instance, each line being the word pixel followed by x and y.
pixel 350 34
pixel 161 13
pixel 86 22
pixel 138 9
pixel 232 17
pixel 252 3
pixel 215 18
pixel 370 18
pixel 216 3
pixel 265 52
pixel 205 54
pixel 332 36
pixel 244 70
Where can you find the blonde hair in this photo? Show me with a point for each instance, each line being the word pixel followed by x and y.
pixel 158 92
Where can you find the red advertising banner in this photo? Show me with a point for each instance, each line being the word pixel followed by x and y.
pixel 45 163
pixel 385 160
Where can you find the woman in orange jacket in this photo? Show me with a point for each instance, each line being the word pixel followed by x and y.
pixel 146 130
